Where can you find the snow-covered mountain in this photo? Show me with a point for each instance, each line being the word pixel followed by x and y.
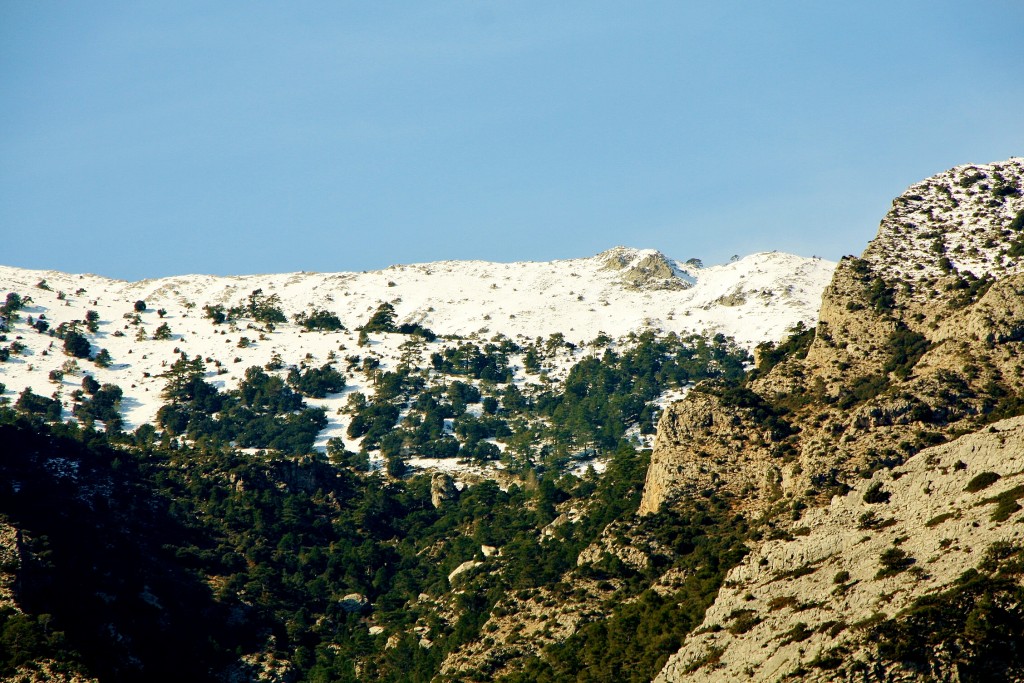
pixel 964 219
pixel 617 292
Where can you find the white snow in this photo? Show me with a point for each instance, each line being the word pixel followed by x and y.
pixel 753 299
pixel 952 214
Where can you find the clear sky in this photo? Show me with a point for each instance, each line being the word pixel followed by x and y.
pixel 141 139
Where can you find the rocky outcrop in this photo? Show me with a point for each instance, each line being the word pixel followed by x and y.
pixel 48 671
pixel 705 443
pixel 918 340
pixel 36 671
pixel 354 602
pixel 467 566
pixel 442 488
pixel 521 625
pixel 808 605
pixel 627 543
pixel 10 562
pixel 642 270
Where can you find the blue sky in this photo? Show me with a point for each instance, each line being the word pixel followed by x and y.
pixel 143 139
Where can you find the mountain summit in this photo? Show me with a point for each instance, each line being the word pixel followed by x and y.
pixel 234 467
pixel 897 422
pixel 617 292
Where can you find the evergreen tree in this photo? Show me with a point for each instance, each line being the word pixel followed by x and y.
pixel 76 344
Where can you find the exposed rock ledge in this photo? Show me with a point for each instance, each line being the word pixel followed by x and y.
pixel 802 599
pixel 703 443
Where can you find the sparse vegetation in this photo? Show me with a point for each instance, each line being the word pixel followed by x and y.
pixel 981 481
pixel 973 627
pixel 1006 503
pixel 893 561
pixel 221 531
pixel 876 494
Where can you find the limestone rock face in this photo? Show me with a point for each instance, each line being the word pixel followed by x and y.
pixel 918 340
pixel 703 443
pixel 442 488
pixel 10 562
pixel 354 602
pixel 997 318
pixel 520 626
pixel 807 606
pixel 467 566
pixel 645 271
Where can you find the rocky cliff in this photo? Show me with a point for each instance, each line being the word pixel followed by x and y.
pixel 830 599
pixel 899 390
pixel 917 340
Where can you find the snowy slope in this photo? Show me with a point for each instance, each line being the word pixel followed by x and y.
pixel 952 215
pixel 620 291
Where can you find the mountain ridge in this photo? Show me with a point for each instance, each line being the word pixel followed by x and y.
pixel 579 299
pixel 889 422
pixel 628 272
pixel 849 508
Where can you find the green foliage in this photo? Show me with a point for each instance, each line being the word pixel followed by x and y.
pixel 48 408
pixel 743 621
pixel 372 422
pixel 319 319
pixel 905 348
pixel 102 404
pixel 876 494
pixel 981 481
pixel 1016 248
pixel 881 296
pixel 12 304
pixel 795 346
pixel 273 541
pixel 602 397
pixel 636 640
pixel 1006 503
pixel 76 344
pixel 27 638
pixel 490 363
pixel 1017 224
pixel 103 591
pixel 967 288
pixel 339 456
pixel 316 382
pixel 382 320
pixel 893 561
pixel 163 332
pixel 1004 189
pixel 263 412
pixel 797 634
pixel 284 539
pixel 216 313
pixel 871 521
pixel 939 519
pixel 759 410
pixel 862 389
pixel 975 628
pixel 258 307
pixel 971 179
pixel 90 385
